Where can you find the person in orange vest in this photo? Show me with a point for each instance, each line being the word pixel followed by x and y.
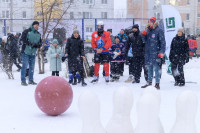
pixel 101 42
pixel 192 45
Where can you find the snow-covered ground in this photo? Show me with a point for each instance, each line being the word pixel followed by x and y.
pixel 20 114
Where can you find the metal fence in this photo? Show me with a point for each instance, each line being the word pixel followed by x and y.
pixel 85 26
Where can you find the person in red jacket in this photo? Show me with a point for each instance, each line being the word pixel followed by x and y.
pixel 101 42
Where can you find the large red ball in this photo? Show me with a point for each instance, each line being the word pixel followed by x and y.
pixel 53 95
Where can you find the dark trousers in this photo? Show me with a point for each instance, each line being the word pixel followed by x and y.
pixel 55 73
pixel 115 69
pixel 178 75
pixel 137 64
pixel 121 67
pixel 130 64
pixel 145 72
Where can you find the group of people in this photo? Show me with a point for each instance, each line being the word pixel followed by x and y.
pixel 139 50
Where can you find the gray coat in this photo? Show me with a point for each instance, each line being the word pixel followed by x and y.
pixel 155 44
pixel 55 62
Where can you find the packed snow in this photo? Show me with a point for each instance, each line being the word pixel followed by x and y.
pixel 20 114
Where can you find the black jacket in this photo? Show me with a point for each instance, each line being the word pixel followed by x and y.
pixel 74 47
pixel 25 40
pixel 135 40
pixel 179 52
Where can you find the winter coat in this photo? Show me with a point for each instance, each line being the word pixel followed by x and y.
pixel 103 42
pixel 13 47
pixel 154 44
pixel 116 48
pixel 135 40
pixel 123 38
pixel 55 62
pixel 74 49
pixel 31 40
pixel 112 39
pixel 198 46
pixel 179 52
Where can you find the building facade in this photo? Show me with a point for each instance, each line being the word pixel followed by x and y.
pixel 13 13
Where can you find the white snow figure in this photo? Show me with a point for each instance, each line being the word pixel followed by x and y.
pixel 186 110
pixel 152 90
pixel 148 109
pixel 89 107
pixel 122 104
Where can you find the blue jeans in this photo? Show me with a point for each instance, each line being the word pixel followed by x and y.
pixel 27 60
pixel 154 68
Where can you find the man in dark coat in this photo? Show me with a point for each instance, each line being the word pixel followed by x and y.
pixel 135 40
pixel 31 40
pixel 13 50
pixel 75 52
pixel 154 51
pixel 179 55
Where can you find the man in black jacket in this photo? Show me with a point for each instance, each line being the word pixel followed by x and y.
pixel 135 40
pixel 75 52
pixel 31 40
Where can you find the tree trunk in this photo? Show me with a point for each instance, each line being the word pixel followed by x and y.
pixel 39 60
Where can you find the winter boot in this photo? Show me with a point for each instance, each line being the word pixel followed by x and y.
pixel 83 83
pixel 136 81
pixel 129 80
pixel 79 80
pixel 75 81
pixel 176 83
pixel 157 86
pixel 70 81
pixel 95 80
pixel 24 84
pixel 32 83
pixel 107 79
pixel 112 79
pixel 148 84
pixel 182 84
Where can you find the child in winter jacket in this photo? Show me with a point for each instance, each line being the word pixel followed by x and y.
pixel 117 53
pixel 55 57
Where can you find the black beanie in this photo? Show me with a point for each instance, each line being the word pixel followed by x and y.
pixel 109 30
pixel 135 26
pixel 35 22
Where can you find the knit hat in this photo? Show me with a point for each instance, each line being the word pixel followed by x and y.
pixel 110 30
pixel 55 41
pixel 75 31
pixel 35 22
pixel 181 30
pixel 135 26
pixel 153 19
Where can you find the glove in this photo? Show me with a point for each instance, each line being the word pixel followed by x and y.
pixel 115 55
pixel 161 55
pixel 144 33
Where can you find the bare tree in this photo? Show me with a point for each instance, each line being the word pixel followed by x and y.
pixel 50 16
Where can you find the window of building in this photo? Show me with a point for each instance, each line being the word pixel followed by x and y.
pixel 187 31
pixel 104 2
pixel 5 14
pixel 24 28
pixel 188 2
pixel 39 13
pixel 71 1
pixel 24 0
pixel 24 14
pixel 198 0
pixel 88 1
pixel 71 15
pixel 89 29
pixel 5 0
pixel 87 15
pixel 198 15
pixel 104 15
pixel 187 16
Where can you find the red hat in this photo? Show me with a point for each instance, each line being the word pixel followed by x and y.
pixel 153 19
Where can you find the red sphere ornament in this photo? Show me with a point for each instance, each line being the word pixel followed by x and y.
pixel 53 95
